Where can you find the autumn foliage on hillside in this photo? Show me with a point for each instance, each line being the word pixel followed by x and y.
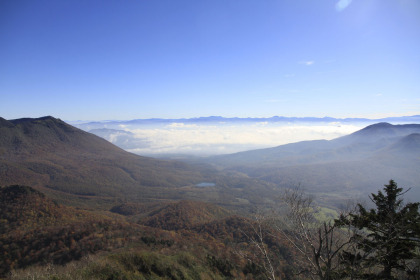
pixel 184 215
pixel 34 229
pixel 183 240
pixel 228 236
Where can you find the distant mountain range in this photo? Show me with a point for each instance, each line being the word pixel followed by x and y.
pixel 274 119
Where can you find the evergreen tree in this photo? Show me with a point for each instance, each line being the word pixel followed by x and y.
pixel 385 238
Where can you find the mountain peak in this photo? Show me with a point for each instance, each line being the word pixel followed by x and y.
pixel 387 130
pixel 382 129
pixel 380 125
pixel 36 120
pixel 34 135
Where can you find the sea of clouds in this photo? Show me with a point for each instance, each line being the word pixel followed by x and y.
pixel 213 138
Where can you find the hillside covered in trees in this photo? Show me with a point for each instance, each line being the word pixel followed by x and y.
pixel 37 231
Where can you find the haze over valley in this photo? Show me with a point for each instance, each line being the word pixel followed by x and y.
pixel 85 188
pixel 222 140
pixel 218 135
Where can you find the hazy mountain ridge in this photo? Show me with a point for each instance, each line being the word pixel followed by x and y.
pixel 409 144
pixel 354 164
pixel 220 119
pixel 359 145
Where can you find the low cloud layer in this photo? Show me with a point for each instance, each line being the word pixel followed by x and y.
pixel 221 138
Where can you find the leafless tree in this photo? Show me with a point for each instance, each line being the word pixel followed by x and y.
pixel 256 238
pixel 318 243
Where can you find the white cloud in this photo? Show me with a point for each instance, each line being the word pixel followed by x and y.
pixel 342 4
pixel 307 63
pixel 207 139
pixel 181 125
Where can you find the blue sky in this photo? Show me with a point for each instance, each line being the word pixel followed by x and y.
pixel 98 60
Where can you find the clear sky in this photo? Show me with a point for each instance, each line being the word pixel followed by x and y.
pixel 98 60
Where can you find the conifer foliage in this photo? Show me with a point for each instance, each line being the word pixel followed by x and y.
pixel 385 238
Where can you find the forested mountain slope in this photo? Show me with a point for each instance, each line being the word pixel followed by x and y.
pixel 36 230
pixel 183 240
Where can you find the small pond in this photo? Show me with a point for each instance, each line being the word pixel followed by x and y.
pixel 205 185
